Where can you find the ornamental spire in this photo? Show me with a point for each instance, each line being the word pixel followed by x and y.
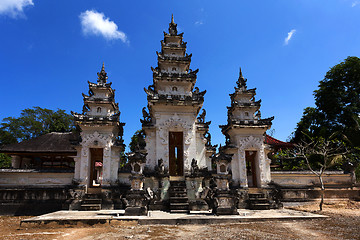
pixel 172 26
pixel 241 82
pixel 102 75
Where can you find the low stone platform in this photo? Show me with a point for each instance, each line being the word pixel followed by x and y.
pixel 159 217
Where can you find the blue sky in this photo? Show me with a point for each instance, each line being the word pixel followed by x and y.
pixel 50 49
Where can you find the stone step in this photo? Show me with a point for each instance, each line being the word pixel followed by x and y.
pixel 178 188
pixel 178 183
pixel 179 207
pixel 179 202
pixel 256 195
pixel 260 206
pixel 91 196
pixel 91 201
pixel 259 200
pixel 178 194
pixel 90 207
pixel 178 199
pixel 179 211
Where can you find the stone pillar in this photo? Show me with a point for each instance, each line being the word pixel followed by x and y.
pixel 77 161
pixel 106 167
pixel 84 166
pixel 115 159
pixel 242 169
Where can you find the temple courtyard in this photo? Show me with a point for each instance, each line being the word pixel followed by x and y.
pixel 342 222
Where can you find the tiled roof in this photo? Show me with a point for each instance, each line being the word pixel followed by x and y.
pixel 48 143
pixel 275 142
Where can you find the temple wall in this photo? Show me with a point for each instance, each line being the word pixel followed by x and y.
pixel 308 179
pixel 23 177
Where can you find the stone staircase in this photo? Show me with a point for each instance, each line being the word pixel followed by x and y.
pixel 91 202
pixel 178 197
pixel 258 201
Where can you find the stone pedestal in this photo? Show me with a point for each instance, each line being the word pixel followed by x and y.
pixel 136 200
pixel 225 203
pixel 136 203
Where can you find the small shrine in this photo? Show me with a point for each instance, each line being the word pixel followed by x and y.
pixel 100 145
pixel 245 136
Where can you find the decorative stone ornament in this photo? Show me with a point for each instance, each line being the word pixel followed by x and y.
pixel 137 161
pixel 222 161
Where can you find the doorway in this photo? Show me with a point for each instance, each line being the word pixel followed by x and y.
pixel 176 154
pixel 96 155
pixel 251 172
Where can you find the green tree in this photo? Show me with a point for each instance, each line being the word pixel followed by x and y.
pixel 5 161
pixel 137 141
pixel 337 103
pixel 34 122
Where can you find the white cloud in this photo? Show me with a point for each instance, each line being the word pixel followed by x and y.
pixel 199 23
pixel 14 8
pixel 355 3
pixel 289 36
pixel 93 22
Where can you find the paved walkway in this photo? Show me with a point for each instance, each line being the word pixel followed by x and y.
pixel 159 217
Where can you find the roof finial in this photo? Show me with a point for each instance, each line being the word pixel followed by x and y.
pixel 241 82
pixel 172 26
pixel 102 75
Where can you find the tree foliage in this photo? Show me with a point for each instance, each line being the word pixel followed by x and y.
pixel 137 141
pixel 34 122
pixel 5 161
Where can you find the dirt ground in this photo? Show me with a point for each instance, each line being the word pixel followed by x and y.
pixel 343 223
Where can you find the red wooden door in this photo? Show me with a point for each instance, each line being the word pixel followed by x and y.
pixel 176 154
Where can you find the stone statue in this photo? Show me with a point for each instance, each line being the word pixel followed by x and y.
pixel 196 90
pixel 208 139
pixel 194 167
pixel 160 168
pixel 146 116
pixel 201 118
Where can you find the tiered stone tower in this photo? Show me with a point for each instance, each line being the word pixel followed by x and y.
pixel 174 134
pixel 244 134
pixel 98 154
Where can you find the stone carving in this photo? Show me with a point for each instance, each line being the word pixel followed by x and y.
pixel 150 90
pixel 250 142
pixel 160 168
pixel 172 26
pixel 201 118
pixel 102 139
pixel 102 75
pixel 146 116
pixel 207 136
pixel 194 167
pixel 241 82
pixel 175 122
